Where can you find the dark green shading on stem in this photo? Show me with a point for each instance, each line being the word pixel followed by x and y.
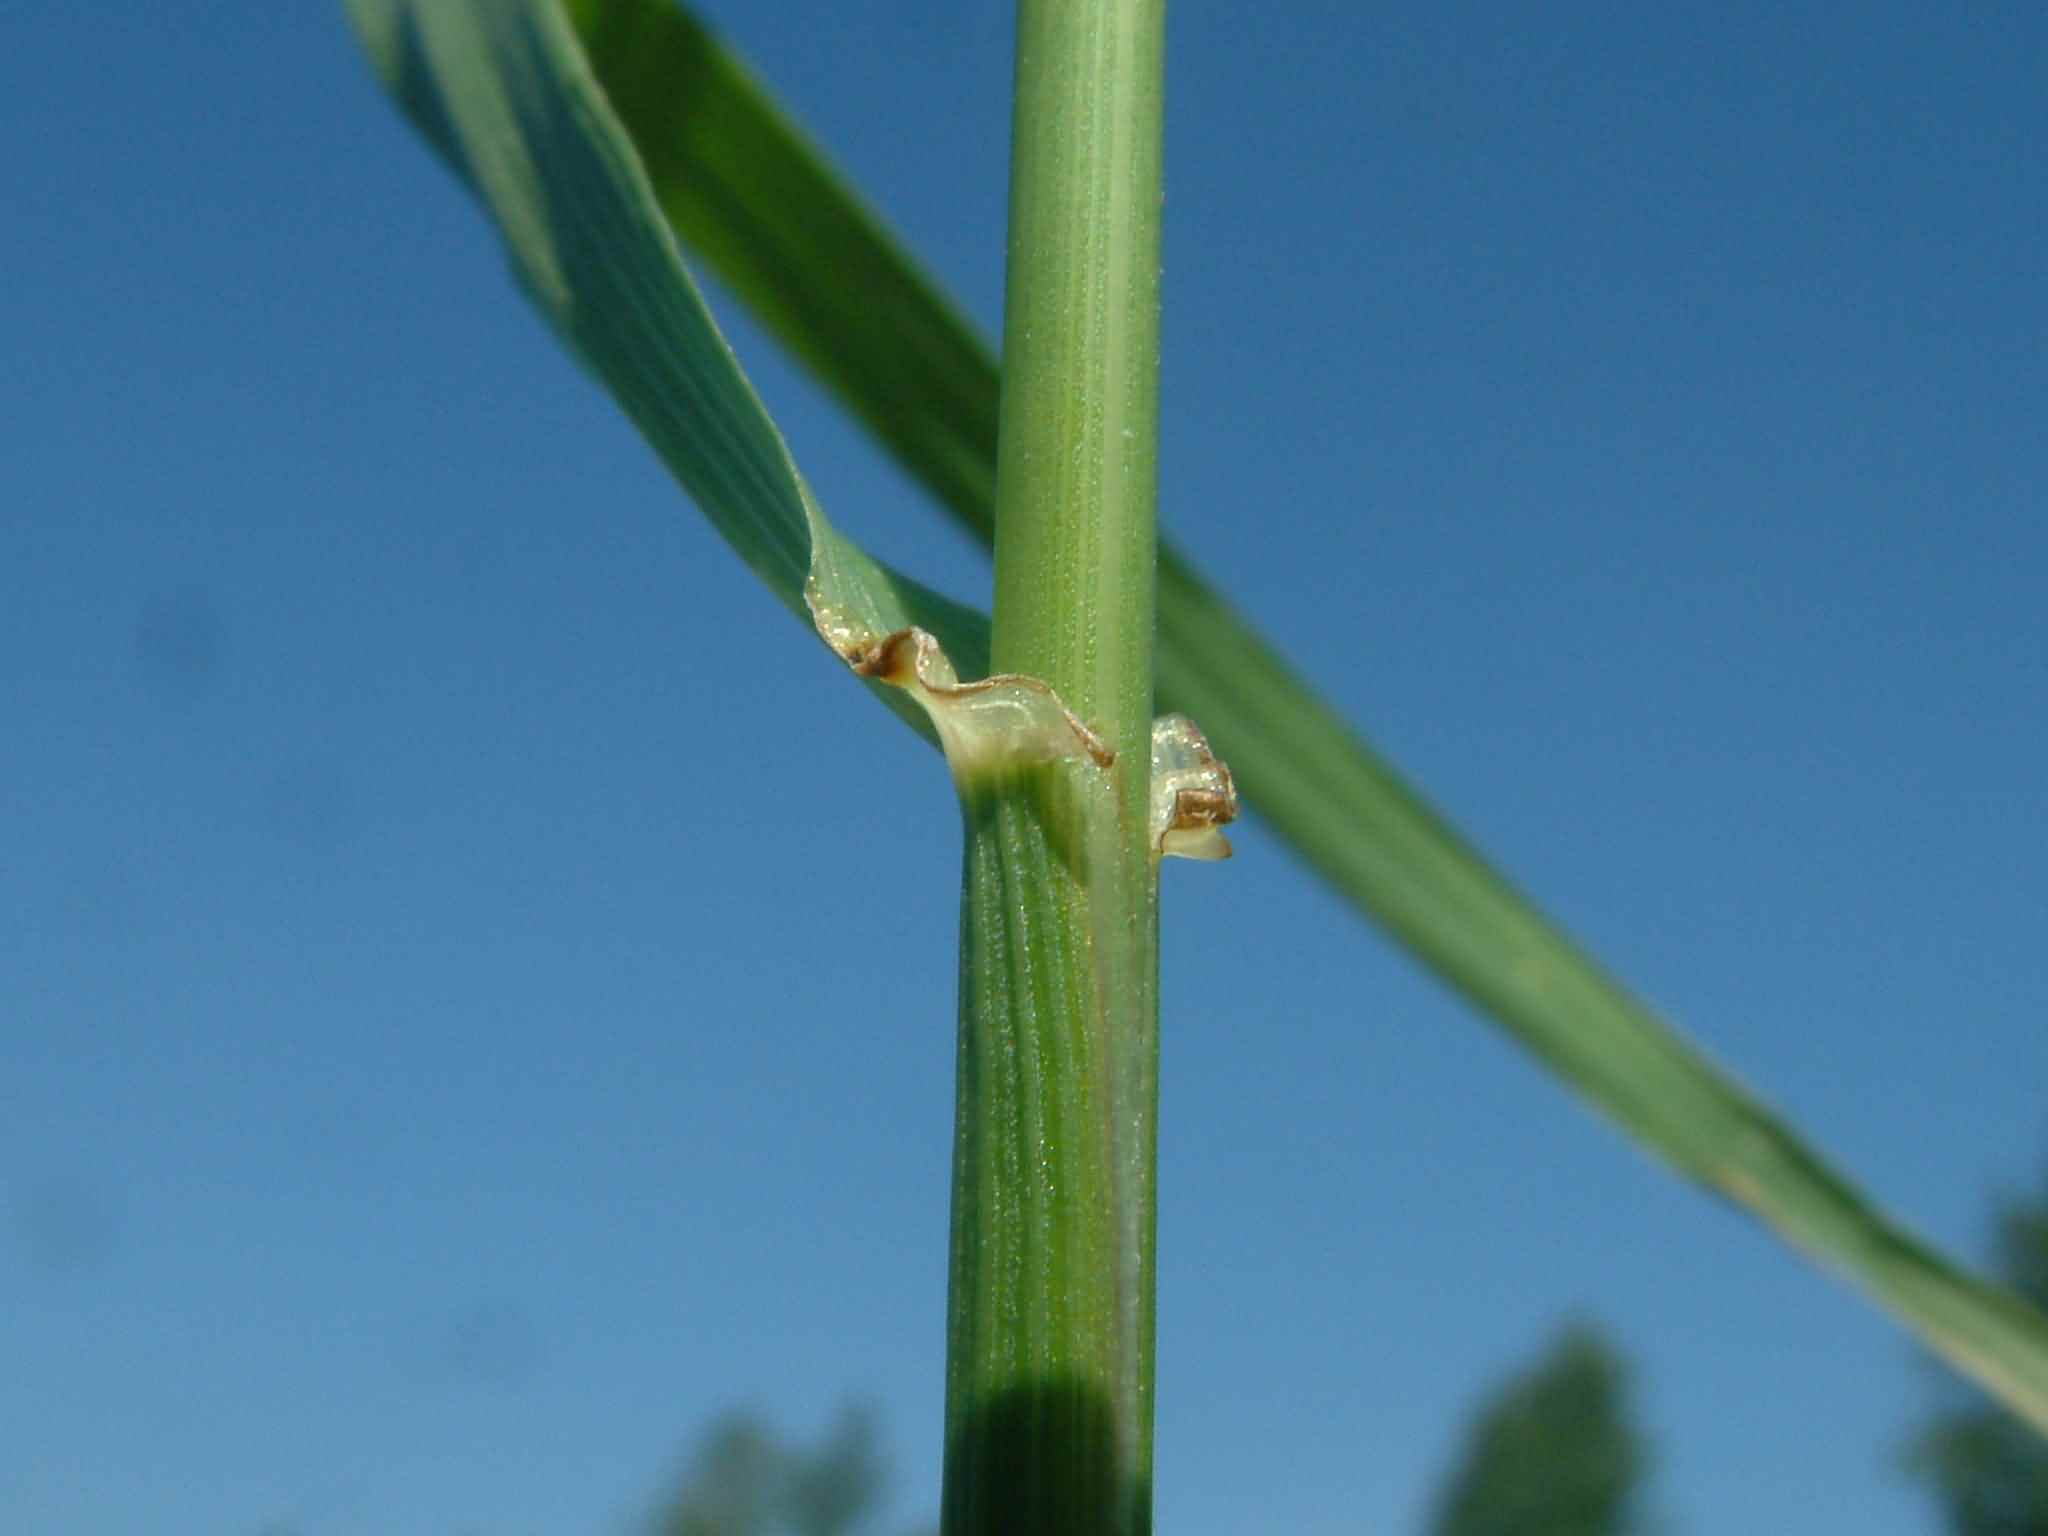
pixel 999 1482
pixel 764 209
pixel 1552 1453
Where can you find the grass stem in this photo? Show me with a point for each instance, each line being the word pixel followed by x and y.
pixel 1050 1314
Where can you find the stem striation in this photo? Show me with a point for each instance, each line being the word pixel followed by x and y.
pixel 1051 1315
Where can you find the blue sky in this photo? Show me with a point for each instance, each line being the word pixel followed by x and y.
pixel 433 877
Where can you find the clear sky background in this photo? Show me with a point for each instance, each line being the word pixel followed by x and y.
pixel 476 980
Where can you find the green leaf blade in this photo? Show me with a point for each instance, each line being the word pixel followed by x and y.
pixel 503 92
pixel 762 209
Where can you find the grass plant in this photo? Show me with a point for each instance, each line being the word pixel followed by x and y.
pixel 602 136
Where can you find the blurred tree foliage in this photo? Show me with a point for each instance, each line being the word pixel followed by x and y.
pixel 743 1480
pixel 1988 1470
pixel 1552 1453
